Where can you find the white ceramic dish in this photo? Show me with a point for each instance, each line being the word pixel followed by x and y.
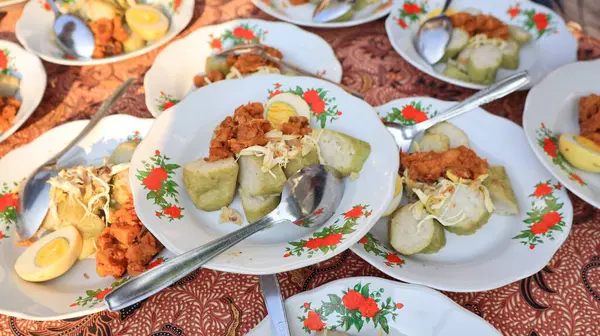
pixel 171 76
pixel 28 67
pixel 399 309
pixel 505 249
pixel 551 109
pixel 182 134
pixel 72 294
pixel 34 31
pixel 552 44
pixel 302 15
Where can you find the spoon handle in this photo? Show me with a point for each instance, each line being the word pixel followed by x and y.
pixel 153 281
pixel 102 112
pixel 446 5
pixel 491 93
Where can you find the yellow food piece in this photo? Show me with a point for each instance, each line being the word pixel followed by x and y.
pixel 280 112
pixel 581 152
pixel 51 256
pixel 397 197
pixel 148 22
pixel 437 12
pixel 281 107
pixel 398 186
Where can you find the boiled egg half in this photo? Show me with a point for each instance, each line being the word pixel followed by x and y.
pixel 281 107
pixel 580 151
pixel 51 256
pixel 397 197
pixel 148 22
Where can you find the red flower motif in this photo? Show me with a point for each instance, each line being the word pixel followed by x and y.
pixel 318 107
pixel 313 321
pixel 353 300
pixel 155 263
pixel 368 214
pixel 74 304
pixel 355 212
pixel 3 60
pixel 1 235
pixel 541 21
pixel 286 255
pixel 168 104
pixel 318 212
pixel 541 25
pixel 551 218
pixel 152 183
pixel 306 305
pixel 332 239
pixel 531 247
pixel 542 190
pixel 412 8
pixel 558 186
pixel 216 44
pixel 160 173
pixel 9 200
pixel 311 96
pixel 339 113
pixel 277 85
pixel 249 35
pixel 514 11
pixel 550 147
pixel 239 32
pixel 363 240
pixel 158 214
pixel 157 152
pixel 539 228
pixel 314 243
pixel 173 211
pixel 274 93
pixel 412 113
pixel 577 179
pixel 402 23
pixel 399 305
pixel 394 259
pixel 299 222
pixel 369 308
pixel 47 6
pixel 104 293
pixel 176 4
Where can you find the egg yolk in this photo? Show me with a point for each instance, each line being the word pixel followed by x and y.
pixel 587 143
pixel 51 252
pixel 398 186
pixel 145 17
pixel 437 12
pixel 280 112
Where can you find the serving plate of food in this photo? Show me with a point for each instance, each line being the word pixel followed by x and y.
pixel 491 40
pixel 300 12
pixel 91 240
pixel 122 28
pixel 219 159
pixel 561 125
pixel 22 86
pixel 190 63
pixel 371 306
pixel 479 210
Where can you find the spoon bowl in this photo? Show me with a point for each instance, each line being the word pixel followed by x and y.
pixel 72 35
pixel 312 188
pixel 434 35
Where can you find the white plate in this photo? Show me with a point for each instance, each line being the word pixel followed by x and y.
pixel 493 256
pixel 549 48
pixel 552 109
pixel 34 31
pixel 400 309
pixel 72 294
pixel 182 134
pixel 29 68
pixel 10 3
pixel 302 15
pixel 171 76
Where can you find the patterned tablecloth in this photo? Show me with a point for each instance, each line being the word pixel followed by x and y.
pixel 562 299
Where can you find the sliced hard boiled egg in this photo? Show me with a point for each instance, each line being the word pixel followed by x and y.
pixel 437 12
pixel 148 22
pixel 580 151
pixel 51 256
pixel 397 197
pixel 281 107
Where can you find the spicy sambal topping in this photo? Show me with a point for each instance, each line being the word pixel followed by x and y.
pixel 430 166
pixel 9 106
pixel 481 24
pixel 589 117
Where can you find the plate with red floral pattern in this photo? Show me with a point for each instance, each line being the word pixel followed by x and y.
pixel 551 109
pixel 171 76
pixel 551 45
pixel 80 291
pixel 506 248
pixel 182 134
pixel 370 306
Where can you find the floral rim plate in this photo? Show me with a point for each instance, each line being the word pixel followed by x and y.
pixel 372 306
pixel 551 109
pixel 182 134
pixel 73 294
pixel 507 248
pixel 539 57
pixel 171 76
pixel 18 62
pixel 302 15
pixel 34 29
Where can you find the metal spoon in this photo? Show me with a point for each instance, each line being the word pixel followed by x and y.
pixel 72 35
pixel 312 188
pixel 34 196
pixel 404 135
pixel 329 10
pixel 433 36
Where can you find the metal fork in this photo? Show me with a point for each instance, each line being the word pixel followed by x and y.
pixel 404 135
pixel 259 50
